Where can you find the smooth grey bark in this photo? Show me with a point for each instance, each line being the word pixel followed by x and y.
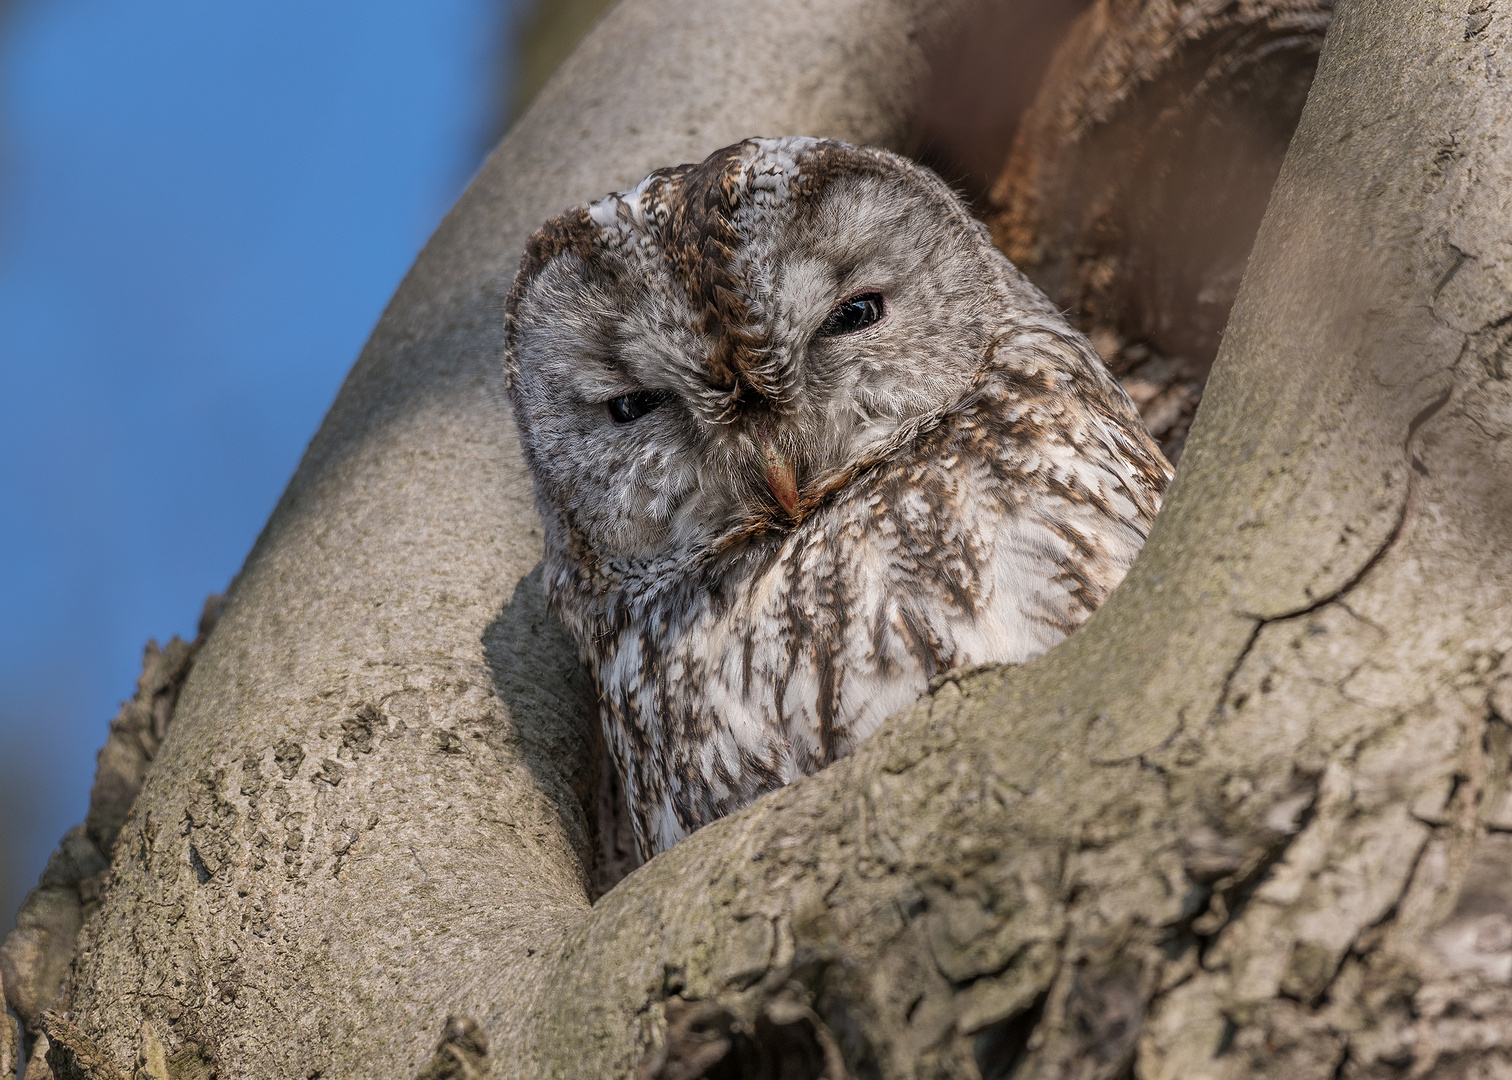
pixel 1249 821
pixel 547 36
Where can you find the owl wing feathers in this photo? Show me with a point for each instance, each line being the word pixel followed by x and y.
pixel 985 541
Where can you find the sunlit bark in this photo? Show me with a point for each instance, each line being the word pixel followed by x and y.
pixel 1248 822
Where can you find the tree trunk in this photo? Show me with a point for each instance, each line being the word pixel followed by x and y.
pixel 1249 821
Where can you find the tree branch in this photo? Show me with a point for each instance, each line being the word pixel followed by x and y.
pixel 1236 826
pixel 1223 825
pixel 369 813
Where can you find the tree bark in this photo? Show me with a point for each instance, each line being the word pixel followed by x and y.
pixel 10 1042
pixel 1251 820
pixel 1139 175
pixel 369 812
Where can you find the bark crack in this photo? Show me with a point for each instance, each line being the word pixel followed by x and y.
pixel 1344 589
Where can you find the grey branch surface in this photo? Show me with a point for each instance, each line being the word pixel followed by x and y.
pixel 1250 821
pixel 367 814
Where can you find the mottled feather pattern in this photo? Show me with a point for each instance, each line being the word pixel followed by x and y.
pixel 970 482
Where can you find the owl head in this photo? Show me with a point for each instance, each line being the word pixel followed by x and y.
pixel 722 344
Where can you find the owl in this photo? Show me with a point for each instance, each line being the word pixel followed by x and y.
pixel 803 439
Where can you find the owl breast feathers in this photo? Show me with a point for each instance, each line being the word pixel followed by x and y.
pixel 803 439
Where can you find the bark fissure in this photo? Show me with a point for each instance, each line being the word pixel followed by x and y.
pixel 1371 562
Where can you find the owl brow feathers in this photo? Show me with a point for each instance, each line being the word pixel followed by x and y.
pixel 573 231
pixel 700 244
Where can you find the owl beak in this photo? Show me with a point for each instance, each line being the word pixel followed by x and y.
pixel 781 477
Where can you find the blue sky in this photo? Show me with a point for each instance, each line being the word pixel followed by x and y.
pixel 203 209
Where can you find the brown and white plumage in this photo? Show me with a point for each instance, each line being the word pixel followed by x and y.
pixel 803 439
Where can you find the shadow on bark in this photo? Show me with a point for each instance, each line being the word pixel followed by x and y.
pixel 555 715
pixel 786 1040
pixel 1140 173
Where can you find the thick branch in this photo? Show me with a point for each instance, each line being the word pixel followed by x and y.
pixel 369 811
pixel 1231 826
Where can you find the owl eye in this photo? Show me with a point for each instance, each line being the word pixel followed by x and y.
pixel 634 406
pixel 857 313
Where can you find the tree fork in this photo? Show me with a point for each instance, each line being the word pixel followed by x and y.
pixel 1249 821
pixel 1244 822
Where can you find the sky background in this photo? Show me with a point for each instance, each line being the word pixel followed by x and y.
pixel 203 210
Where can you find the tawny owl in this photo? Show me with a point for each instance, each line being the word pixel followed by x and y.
pixel 803 439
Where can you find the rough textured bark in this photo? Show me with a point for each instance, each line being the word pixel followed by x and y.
pixel 35 956
pixel 10 1040
pixel 1251 820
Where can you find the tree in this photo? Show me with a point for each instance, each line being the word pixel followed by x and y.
pixel 1250 821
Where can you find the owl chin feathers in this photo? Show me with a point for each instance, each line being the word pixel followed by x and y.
pixel 802 439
